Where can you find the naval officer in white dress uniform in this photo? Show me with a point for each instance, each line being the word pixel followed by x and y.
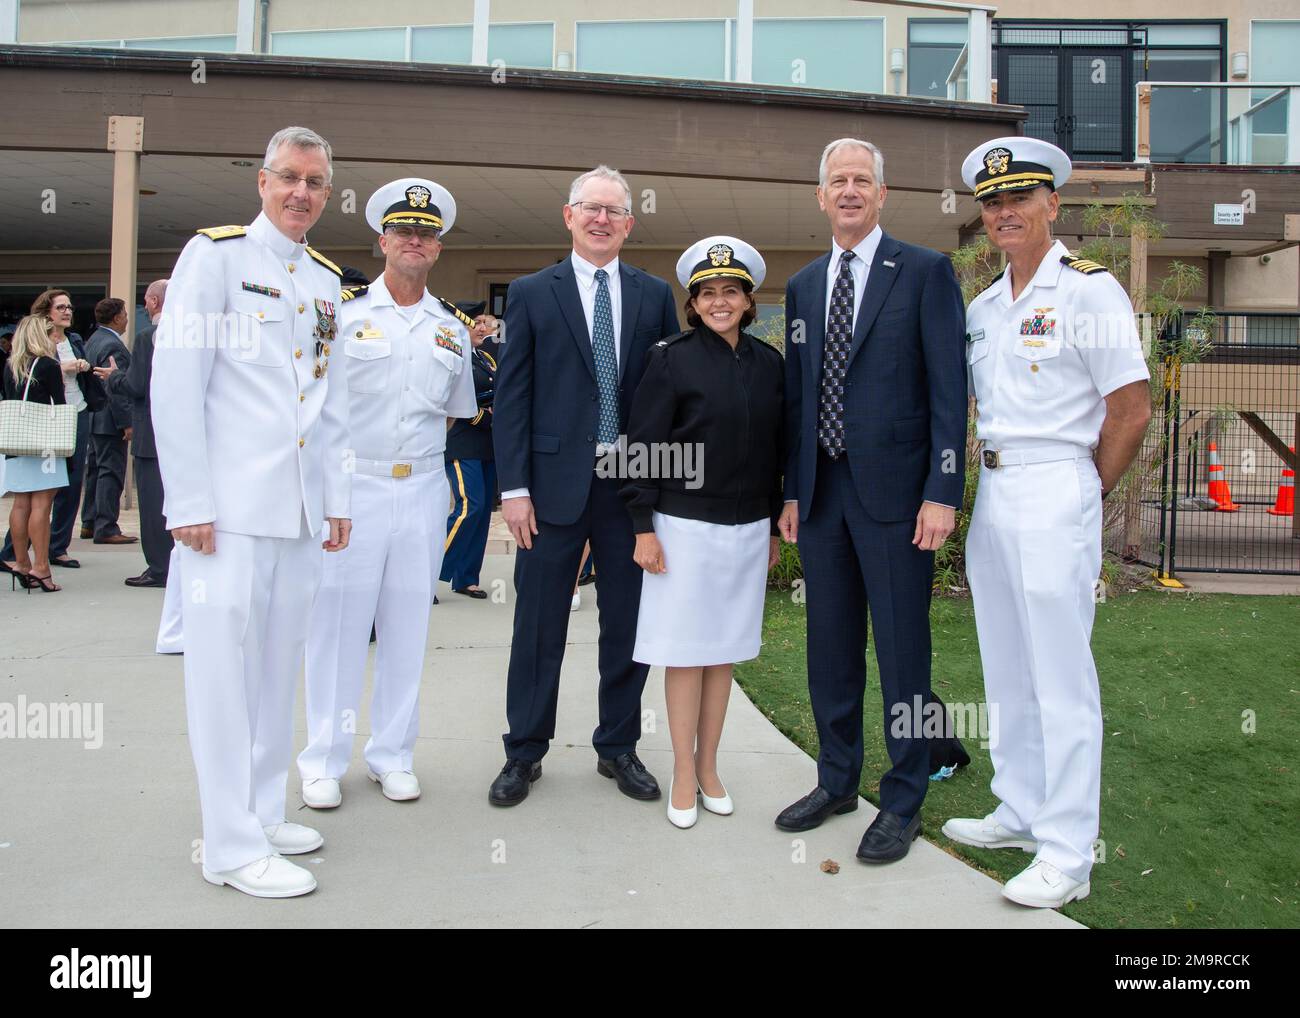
pixel 409 369
pixel 250 415
pixel 1063 401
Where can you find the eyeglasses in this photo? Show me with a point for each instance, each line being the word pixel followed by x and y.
pixel 316 185
pixel 592 208
pixel 405 233
pixel 60 307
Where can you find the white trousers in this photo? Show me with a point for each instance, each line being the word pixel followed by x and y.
pixel 385 576
pixel 170 625
pixel 1033 556
pixel 245 614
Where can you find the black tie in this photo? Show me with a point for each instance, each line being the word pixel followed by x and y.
pixel 835 361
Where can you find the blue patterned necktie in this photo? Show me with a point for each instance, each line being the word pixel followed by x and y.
pixel 835 361
pixel 602 349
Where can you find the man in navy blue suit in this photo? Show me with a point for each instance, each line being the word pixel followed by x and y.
pixel 876 399
pixel 576 336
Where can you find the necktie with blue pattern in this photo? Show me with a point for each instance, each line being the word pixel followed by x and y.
pixel 602 349
pixel 835 361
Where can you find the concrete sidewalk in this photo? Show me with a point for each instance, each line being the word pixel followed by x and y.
pixel 105 837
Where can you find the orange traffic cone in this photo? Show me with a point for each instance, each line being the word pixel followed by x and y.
pixel 1218 484
pixel 1285 504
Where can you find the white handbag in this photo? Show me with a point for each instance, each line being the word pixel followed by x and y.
pixel 37 429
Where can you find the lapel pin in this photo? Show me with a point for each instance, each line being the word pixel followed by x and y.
pixel 887 264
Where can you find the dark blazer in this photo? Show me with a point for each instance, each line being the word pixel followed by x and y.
pixel 116 417
pixel 905 389
pixel 46 382
pixel 133 383
pixel 546 411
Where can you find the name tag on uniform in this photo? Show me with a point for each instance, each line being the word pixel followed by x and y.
pixel 975 337
pixel 368 331
pixel 265 291
pixel 446 339
pixel 1040 324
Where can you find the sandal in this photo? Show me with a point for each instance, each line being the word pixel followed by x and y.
pixel 45 583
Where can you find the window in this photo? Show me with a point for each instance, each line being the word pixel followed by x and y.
pixel 670 49
pixel 522 45
pixel 933 45
pixel 1273 49
pixel 442 44
pixel 846 54
pixel 347 44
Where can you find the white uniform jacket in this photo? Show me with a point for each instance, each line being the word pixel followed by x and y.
pixel 249 392
pixel 407 372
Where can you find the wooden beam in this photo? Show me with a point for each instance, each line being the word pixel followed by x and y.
pixel 1269 437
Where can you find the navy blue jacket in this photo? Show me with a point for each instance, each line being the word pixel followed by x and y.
pixel 546 412
pixel 905 390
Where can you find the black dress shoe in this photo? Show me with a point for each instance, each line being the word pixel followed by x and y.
pixel 86 533
pixel 887 839
pixel 67 563
pixel 478 595
pixel 513 783
pixel 630 773
pixel 813 809
pixel 145 579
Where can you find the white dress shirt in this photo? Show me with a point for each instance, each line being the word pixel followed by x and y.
pixel 859 268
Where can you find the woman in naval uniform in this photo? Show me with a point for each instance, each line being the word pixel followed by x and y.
pixel 703 488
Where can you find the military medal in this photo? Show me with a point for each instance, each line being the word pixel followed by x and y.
pixel 326 330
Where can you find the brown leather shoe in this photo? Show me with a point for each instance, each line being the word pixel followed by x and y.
pixel 87 533
pixel 117 539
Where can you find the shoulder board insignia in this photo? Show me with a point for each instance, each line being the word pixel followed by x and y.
pixel 222 232
pixel 669 340
pixel 353 292
pixel 325 261
pixel 488 357
pixel 456 312
pixel 1082 265
pixel 1002 272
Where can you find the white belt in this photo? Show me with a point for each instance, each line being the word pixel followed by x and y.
pixel 1051 452
pixel 397 468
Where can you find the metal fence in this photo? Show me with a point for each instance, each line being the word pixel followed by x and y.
pixel 1210 491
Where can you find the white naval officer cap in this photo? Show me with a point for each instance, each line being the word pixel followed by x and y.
pixel 1013 164
pixel 411 201
pixel 721 257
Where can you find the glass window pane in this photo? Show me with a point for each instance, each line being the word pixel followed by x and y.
pixel 1182 35
pixel 443 44
pixel 838 53
pixel 938 30
pixel 522 45
pixel 928 68
pixel 673 49
pixel 351 44
pixel 1273 49
pixel 190 44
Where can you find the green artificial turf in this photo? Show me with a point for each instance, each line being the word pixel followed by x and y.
pixel 1199 819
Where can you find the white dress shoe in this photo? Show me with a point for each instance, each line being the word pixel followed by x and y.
pixel 721 805
pixel 321 793
pixel 270 877
pixel 987 833
pixel 576 601
pixel 398 785
pixel 293 839
pixel 1042 885
pixel 682 818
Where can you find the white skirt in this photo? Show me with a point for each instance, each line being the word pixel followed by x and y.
pixel 707 608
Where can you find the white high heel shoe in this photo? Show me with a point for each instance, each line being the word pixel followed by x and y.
pixel 682 818
pixel 721 805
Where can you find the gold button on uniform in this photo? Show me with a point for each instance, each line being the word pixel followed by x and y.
pixel 301 442
pixel 301 396
pixel 297 353
pixel 291 266
pixel 1033 367
pixel 302 308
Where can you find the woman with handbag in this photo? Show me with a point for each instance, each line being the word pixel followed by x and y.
pixel 35 375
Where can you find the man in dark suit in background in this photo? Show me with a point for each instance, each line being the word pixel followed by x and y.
pixel 155 539
pixel 876 398
pixel 576 336
pixel 110 428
